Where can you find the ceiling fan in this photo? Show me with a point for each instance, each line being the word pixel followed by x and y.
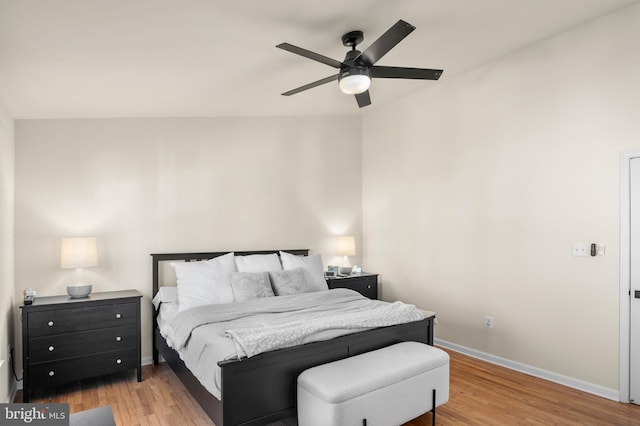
pixel 357 69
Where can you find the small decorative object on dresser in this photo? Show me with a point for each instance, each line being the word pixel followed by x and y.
pixel 364 283
pixel 64 339
pixel 330 274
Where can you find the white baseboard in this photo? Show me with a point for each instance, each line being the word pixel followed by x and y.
pixel 147 360
pixel 533 371
pixel 12 392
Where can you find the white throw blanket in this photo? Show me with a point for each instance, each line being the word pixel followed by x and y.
pixel 269 323
pixel 255 340
pixel 203 336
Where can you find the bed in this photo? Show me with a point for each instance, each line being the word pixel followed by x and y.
pixel 262 389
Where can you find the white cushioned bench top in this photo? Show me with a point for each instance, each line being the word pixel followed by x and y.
pixel 348 378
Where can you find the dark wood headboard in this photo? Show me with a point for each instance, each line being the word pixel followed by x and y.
pixel 192 257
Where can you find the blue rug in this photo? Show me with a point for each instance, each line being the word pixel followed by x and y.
pixel 102 416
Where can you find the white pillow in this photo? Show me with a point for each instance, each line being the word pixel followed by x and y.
pixel 258 263
pixel 166 294
pixel 312 266
pixel 288 282
pixel 250 285
pixel 205 282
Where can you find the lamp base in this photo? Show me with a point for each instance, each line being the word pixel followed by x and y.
pixel 345 268
pixel 79 291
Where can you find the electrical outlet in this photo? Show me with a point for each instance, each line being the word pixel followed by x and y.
pixel 488 321
pixel 580 249
pixel 8 355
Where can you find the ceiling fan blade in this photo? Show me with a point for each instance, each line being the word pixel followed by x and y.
pixel 402 72
pixel 311 85
pixel 363 99
pixel 386 42
pixel 310 55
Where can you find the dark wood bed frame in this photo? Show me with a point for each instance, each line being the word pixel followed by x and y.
pixel 262 389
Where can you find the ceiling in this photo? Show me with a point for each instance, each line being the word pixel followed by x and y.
pixel 199 58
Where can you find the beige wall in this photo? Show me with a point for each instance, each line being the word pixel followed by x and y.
pixel 6 249
pixel 475 190
pixel 145 186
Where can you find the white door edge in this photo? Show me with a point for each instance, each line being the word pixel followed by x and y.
pixel 625 273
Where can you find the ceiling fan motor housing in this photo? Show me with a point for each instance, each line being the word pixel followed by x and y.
pixel 353 65
pixel 355 70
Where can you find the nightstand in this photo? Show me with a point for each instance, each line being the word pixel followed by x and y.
pixel 64 339
pixel 366 284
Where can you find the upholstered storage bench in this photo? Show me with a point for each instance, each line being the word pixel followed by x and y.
pixel 389 386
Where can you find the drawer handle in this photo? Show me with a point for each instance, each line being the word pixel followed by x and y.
pixel 118 361
pixel 52 373
pixel 50 323
pixel 118 338
pixel 368 286
pixel 51 348
pixel 118 316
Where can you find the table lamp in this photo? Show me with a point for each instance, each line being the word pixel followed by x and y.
pixel 346 246
pixel 78 253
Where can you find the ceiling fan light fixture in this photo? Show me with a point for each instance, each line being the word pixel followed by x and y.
pixel 355 81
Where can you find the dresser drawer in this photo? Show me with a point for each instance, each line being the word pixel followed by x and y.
pixel 366 285
pixel 54 347
pixel 69 370
pixel 45 323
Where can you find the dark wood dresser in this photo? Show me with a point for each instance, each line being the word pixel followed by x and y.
pixel 364 283
pixel 64 339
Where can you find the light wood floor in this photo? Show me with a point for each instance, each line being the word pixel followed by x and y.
pixel 480 394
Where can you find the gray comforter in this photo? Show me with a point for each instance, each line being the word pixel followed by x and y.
pixel 208 334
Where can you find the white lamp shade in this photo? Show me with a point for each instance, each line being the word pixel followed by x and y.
pixel 346 246
pixel 355 84
pixel 78 253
